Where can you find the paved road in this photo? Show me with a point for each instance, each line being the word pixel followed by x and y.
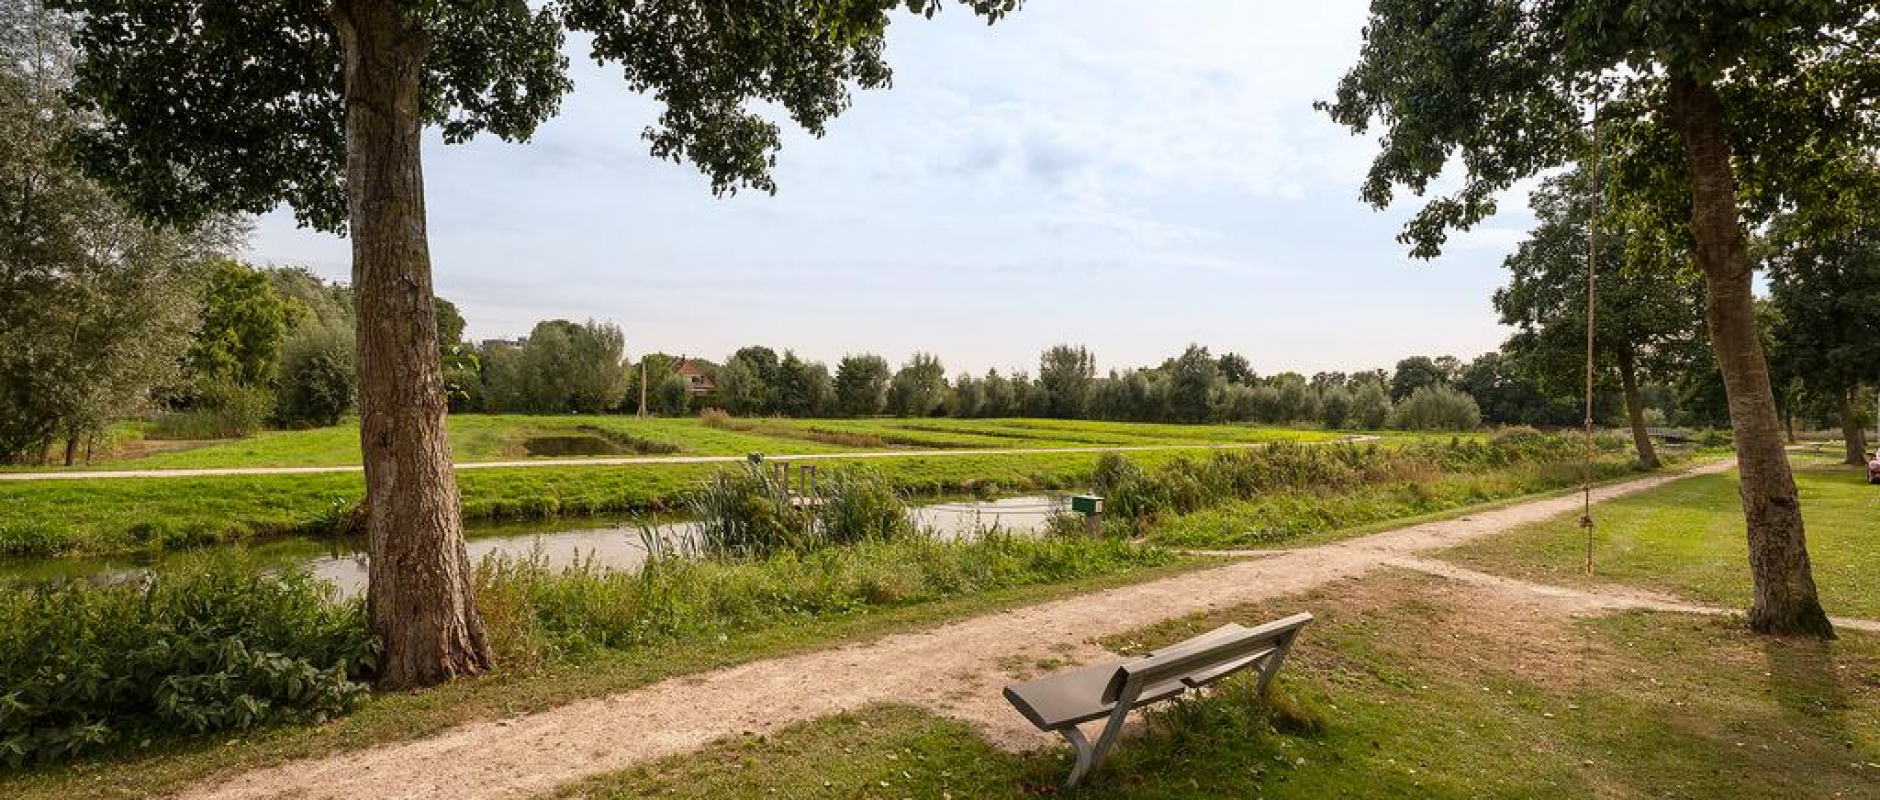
pixel 629 461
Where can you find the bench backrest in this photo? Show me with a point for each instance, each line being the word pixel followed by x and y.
pixel 1203 652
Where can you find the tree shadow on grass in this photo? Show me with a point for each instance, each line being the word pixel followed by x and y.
pixel 1806 679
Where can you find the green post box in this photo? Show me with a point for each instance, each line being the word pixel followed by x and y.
pixel 1091 506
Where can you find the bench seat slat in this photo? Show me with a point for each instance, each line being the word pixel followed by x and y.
pixel 1068 698
pixel 1212 675
pixel 1211 637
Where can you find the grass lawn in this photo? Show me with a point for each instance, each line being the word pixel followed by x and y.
pixel 1688 539
pixel 486 437
pixel 524 684
pixel 133 515
pixel 1405 686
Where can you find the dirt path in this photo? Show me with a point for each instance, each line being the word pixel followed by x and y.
pixel 955 669
pixel 631 461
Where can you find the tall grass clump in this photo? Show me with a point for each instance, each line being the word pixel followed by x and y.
pixel 749 513
pixel 217 645
pixel 856 506
pixel 537 614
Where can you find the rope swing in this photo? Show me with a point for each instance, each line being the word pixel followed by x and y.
pixel 1592 260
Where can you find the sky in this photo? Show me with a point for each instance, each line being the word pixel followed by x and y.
pixel 1128 176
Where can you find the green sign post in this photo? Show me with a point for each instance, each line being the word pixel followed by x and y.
pixel 1091 506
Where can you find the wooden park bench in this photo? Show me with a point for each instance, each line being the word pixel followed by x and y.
pixel 1059 702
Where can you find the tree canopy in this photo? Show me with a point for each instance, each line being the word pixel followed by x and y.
pixel 1506 88
pixel 96 309
pixel 1825 292
pixel 1720 111
pixel 214 106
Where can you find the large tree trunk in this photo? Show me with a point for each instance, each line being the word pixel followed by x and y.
pixel 1635 409
pixel 1852 434
pixel 420 599
pixel 1785 597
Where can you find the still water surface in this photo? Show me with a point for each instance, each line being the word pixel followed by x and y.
pixel 617 542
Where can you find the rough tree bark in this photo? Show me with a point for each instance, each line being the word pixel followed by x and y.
pixel 1785 597
pixel 1635 409
pixel 420 598
pixel 1852 433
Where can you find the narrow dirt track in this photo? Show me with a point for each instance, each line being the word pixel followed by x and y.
pixel 954 669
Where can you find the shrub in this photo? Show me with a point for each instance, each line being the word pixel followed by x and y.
pixel 1437 408
pixel 217 645
pixel 318 381
pixel 1335 406
pixel 222 409
pixel 1237 403
pixel 1370 406
pixel 672 397
pixel 747 513
pixel 715 418
pixel 858 507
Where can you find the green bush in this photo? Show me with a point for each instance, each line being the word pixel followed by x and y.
pixel 222 409
pixel 858 506
pixel 218 645
pixel 1437 408
pixel 318 380
pixel 748 513
pixel 1370 406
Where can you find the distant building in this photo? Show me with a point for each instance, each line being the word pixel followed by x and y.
pixel 490 344
pixel 695 375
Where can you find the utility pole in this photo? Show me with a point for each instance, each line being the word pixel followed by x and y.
pixel 642 387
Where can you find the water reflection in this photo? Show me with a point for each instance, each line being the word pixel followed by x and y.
pixel 613 542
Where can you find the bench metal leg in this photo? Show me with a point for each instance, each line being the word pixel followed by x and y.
pixel 1085 755
pixel 1273 662
pixel 1089 756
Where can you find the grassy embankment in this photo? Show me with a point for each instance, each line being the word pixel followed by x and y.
pixel 1633 705
pixel 95 517
pixel 1318 498
pixel 558 637
pixel 483 437
pixel 132 515
pixel 1687 539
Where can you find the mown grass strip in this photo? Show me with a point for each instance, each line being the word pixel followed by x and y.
pixel 1687 539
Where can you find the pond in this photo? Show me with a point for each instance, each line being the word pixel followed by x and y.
pixel 589 440
pixel 562 446
pixel 617 542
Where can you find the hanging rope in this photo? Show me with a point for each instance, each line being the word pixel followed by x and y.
pixel 1592 272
